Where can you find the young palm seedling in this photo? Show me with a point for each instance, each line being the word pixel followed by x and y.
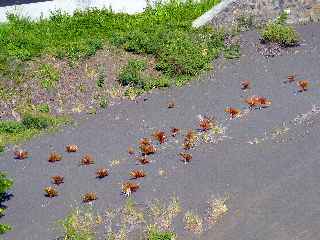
pixel 21 154
pixel 87 160
pixel 89 197
pixel 233 112
pixel 146 147
pixel 143 160
pixel 130 150
pixel 174 131
pixel 291 78
pixel 57 180
pixel 137 174
pixel 51 192
pixel 246 84
pixel 258 101
pixel 185 157
pixel 160 136
pixel 102 172
pixel 206 123
pixel 303 85
pixel 171 104
pixel 54 157
pixel 129 187
pixel 71 148
pixel 189 140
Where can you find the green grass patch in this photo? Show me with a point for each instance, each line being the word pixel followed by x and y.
pixel 280 32
pixel 32 123
pixel 154 234
pixel 48 76
pixel 163 31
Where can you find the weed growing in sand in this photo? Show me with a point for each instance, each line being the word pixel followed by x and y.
pixel 193 222
pixel 48 76
pixel 217 209
pixel 5 185
pixel 280 32
pixel 80 224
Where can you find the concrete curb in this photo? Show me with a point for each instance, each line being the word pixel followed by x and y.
pixel 209 15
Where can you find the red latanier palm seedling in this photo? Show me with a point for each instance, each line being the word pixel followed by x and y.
pixel 21 154
pixel 129 187
pixel 71 148
pixel 102 172
pixel 89 197
pixel 246 84
pixel 137 174
pixel 54 157
pixel 160 136
pixel 57 180
pixel 51 192
pixel 185 157
pixel 189 140
pixel 233 112
pixel 87 159
pixel 143 160
pixel 206 123
pixel 174 131
pixel 303 85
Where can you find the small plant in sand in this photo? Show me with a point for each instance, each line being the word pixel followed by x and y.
pixel 217 209
pixel 87 159
pixel 174 131
pixel 146 146
pixel 129 187
pixel 137 174
pixel 160 136
pixel 258 101
pixel 206 123
pixel 190 140
pixel 21 154
pixel 233 112
pixel 80 224
pixel 155 234
pixel 143 160
pixel 193 222
pixel 131 214
pixel 303 85
pixel 130 150
pixel 171 104
pixel 71 148
pixel 185 157
pixel 102 172
pixel 54 157
pixel 89 197
pixel 246 84
pixel 51 192
pixel 57 180
pixel 163 214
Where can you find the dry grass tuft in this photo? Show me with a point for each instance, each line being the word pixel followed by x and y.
pixel 193 222
pixel 217 209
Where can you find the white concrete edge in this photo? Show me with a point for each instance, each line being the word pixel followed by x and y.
pixel 209 15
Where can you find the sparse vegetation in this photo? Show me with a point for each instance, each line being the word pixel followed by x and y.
pixel 280 32
pixel 154 234
pixel 5 185
pixel 80 224
pixel 48 76
pixel 193 222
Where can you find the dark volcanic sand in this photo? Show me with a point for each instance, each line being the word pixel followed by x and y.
pixel 4 3
pixel 274 185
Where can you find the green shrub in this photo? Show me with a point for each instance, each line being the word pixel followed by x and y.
pixel 155 234
pixel 11 127
pixel 44 108
pixel 281 33
pixel 103 102
pixel 80 224
pixel 48 75
pixel 36 121
pixel 2 147
pixel 131 74
pixel 4 228
pixel 5 185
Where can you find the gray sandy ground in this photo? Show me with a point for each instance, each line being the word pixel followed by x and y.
pixel 273 183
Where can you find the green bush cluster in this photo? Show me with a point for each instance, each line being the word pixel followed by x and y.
pixel 48 75
pixel 131 74
pixel 155 234
pixel 165 31
pixel 5 185
pixel 280 32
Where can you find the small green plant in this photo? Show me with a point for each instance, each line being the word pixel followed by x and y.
pixel 280 32
pixel 80 224
pixel 155 234
pixel 5 185
pixel 11 127
pixel 101 78
pixel 103 102
pixel 48 75
pixel 4 228
pixel 131 74
pixel 44 108
pixel 2 147
pixel 36 121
